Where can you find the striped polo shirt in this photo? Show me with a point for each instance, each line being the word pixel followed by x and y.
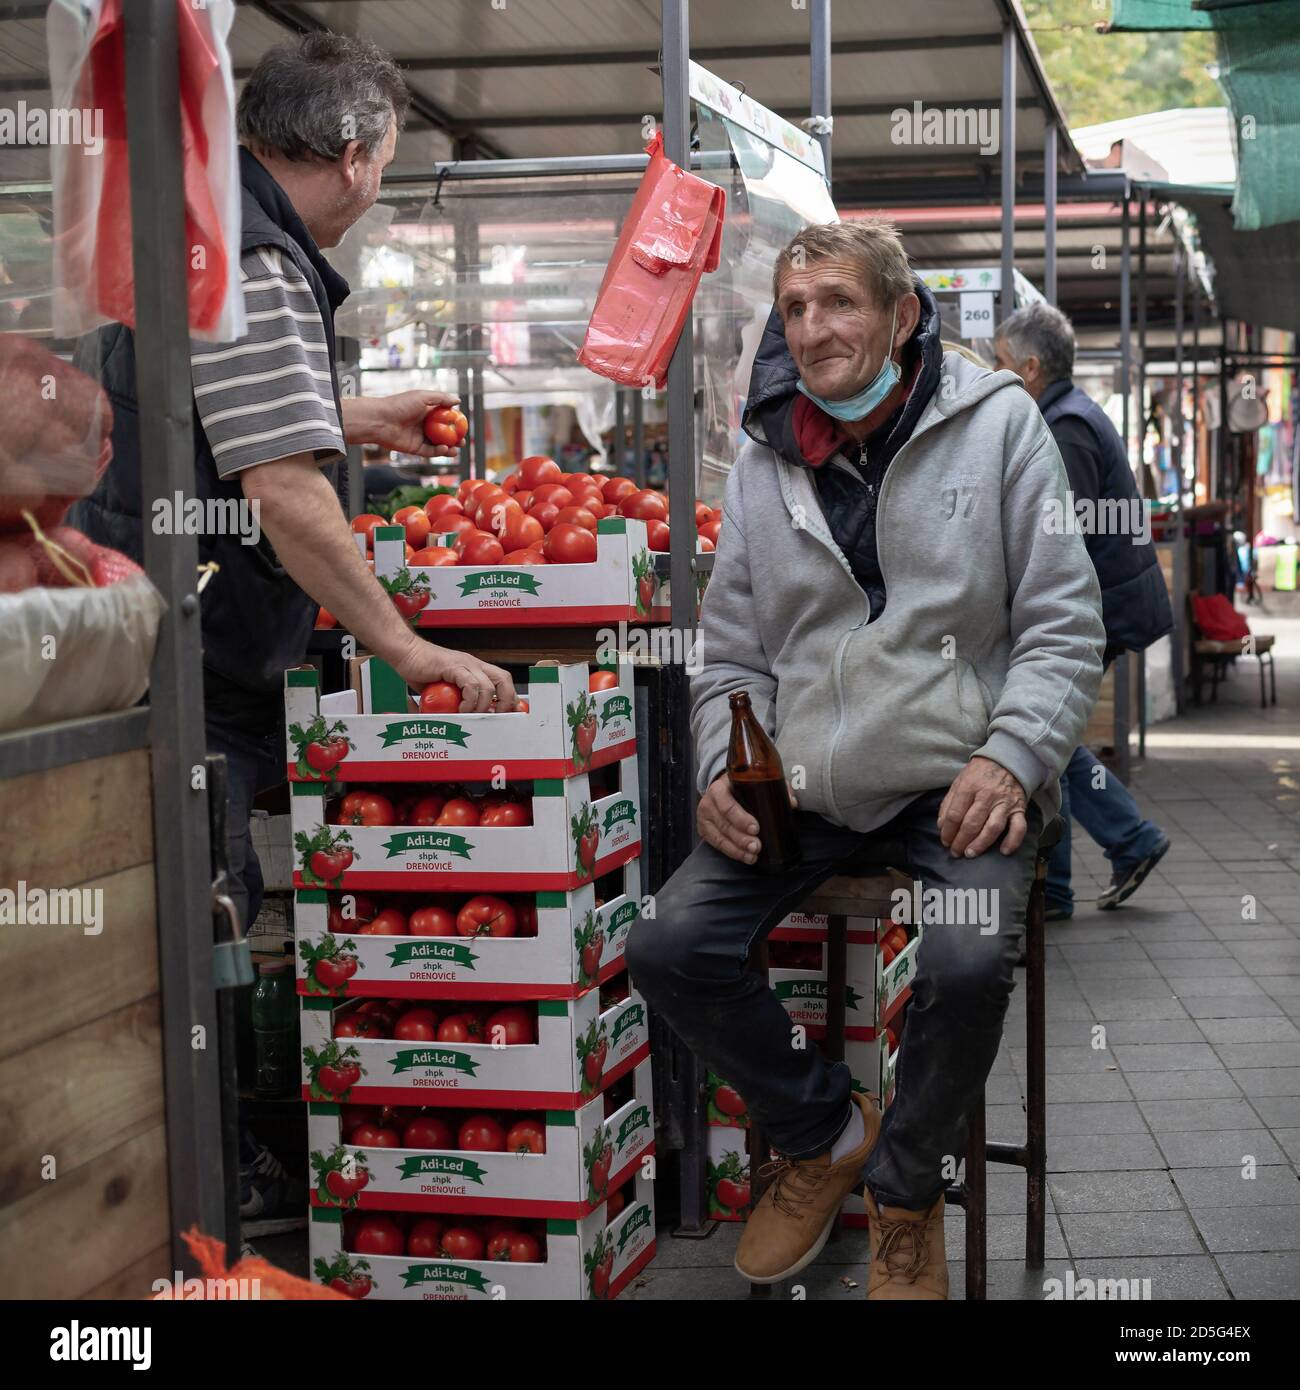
pixel 269 395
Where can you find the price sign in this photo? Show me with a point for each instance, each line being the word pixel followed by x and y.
pixel 977 315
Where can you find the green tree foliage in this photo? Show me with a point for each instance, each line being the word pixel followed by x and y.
pixel 1105 77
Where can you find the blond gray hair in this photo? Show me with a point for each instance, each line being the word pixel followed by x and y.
pixel 872 242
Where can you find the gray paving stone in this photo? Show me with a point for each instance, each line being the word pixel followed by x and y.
pixel 1273 1277
pixel 1105 1085
pixel 1189 986
pixel 1161 951
pixel 1278 1112
pixel 1066 1061
pixel 1245 1030
pixel 1005 1236
pixel 1275 1185
pixel 1198 1114
pixel 1289 1139
pixel 1268 1054
pixel 1095 1153
pixel 1268 1081
pixel 1101 972
pixel 1250 931
pixel 682 1252
pixel 1172 1277
pixel 1218 1148
pixel 1098 1235
pixel 1162 1030
pixel 1249 1229
pixel 1113 1191
pixel 1232 1006
pixel 1093 1117
pixel 1167 1057
pixel 1145 1010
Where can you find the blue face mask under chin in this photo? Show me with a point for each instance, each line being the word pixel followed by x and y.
pixel 860 406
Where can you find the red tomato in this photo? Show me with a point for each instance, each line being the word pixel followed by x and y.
pixel 457 524
pixel 432 921
pixel 576 516
pixel 480 548
pixel 366 808
pixel 428 1132
pixel 425 1239
pixel 390 922
pixel 507 813
pixel 357 1025
pixel 703 513
pixel 462 1243
pixel 442 503
pixel 710 531
pixel 704 545
pixel 458 811
pixel 656 535
pixel 545 513
pixel 416 523
pixel 483 1133
pixel 365 524
pixel 460 1028
pixel 577 476
pixel 645 506
pixel 600 510
pixel 887 952
pixel 556 493
pixel 616 489
pixel 445 425
pixel 425 811
pixel 524 497
pixel 501 517
pixel 440 697
pixel 325 619
pixel 511 482
pixel 510 1027
pixel 467 486
pixel 378 1235
pixel 487 915
pixel 523 532
pixel 602 680
pixel 435 555
pixel 515 1247
pixel 519 557
pixel 526 1136
pixel 416 1025
pixel 570 545
pixel 537 468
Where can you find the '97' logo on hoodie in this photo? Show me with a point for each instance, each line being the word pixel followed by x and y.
pixel 958 500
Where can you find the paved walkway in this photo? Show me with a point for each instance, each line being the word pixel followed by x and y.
pixel 1174 1147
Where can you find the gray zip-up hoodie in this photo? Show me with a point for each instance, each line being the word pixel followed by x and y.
pixel 990 642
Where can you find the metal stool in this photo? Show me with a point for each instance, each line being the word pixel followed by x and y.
pixel 866 892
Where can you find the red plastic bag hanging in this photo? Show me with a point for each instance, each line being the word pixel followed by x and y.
pixel 671 236
pixel 93 250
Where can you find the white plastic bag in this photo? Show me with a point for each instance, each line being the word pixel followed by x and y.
pixel 65 653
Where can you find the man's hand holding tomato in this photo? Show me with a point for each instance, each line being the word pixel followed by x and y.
pixel 983 802
pixel 725 824
pixel 395 422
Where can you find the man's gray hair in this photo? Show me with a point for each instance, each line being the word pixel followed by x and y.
pixel 312 97
pixel 1040 331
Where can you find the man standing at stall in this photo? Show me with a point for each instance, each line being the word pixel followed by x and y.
pixel 318 123
pixel 925 652
pixel 1037 343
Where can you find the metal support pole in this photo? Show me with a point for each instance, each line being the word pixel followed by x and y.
pixel 1179 434
pixel 819 29
pixel 1220 459
pixel 1007 129
pixel 1126 327
pixel 1049 212
pixel 191 1069
pixel 1196 384
pixel 638 438
pixel 1142 439
pixel 349 370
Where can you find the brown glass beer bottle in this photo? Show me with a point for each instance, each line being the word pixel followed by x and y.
pixel 758 783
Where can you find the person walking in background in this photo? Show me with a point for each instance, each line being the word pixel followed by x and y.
pixel 1037 343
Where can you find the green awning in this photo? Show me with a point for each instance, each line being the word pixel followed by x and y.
pixel 1157 14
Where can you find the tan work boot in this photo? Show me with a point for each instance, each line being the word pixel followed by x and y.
pixel 908 1260
pixel 787 1229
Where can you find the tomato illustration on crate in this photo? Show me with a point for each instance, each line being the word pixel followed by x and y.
pixel 581 714
pixel 726 1105
pixel 728 1188
pixel 340 1176
pixel 330 964
pixel 599 1266
pixel 593 1048
pixel 319 748
pixel 344 1275
pixel 323 856
pixel 589 947
pixel 643 571
pixel 585 829
pixel 597 1157
pixel 333 1070
pixel 409 593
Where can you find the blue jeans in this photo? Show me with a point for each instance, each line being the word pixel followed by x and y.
pixel 1107 811
pixel 689 962
pixel 254 763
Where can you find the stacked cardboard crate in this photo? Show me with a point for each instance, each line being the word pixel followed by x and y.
pixel 480 1104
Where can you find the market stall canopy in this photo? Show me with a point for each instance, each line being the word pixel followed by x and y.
pixel 574 77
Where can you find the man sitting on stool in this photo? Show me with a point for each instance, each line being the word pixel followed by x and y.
pixel 925 651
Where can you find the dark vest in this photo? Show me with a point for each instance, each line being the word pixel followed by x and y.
pixel 256 620
pixel 1134 600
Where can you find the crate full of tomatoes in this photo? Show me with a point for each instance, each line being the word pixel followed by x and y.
pixel 554 1054
pixel 877 980
pixel 548 833
pixel 452 1257
pixel 573 718
pixel 527 945
pixel 533 1163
